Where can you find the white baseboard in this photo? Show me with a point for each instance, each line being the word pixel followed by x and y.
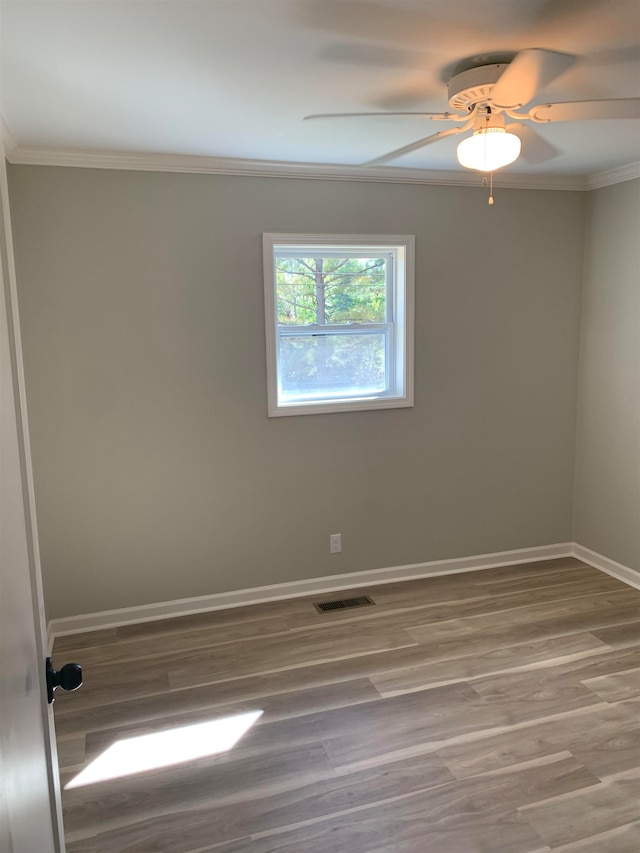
pixel 334 583
pixel 616 570
pixel 297 589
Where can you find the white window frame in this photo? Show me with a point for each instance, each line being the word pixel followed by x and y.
pixel 398 328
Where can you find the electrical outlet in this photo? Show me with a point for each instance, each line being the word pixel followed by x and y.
pixel 335 543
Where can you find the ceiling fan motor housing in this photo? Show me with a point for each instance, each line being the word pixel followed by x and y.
pixel 474 86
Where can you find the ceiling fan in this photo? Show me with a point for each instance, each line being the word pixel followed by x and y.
pixel 482 97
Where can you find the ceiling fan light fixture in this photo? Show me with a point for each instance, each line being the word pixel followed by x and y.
pixel 489 148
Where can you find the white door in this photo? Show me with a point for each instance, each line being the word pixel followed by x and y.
pixel 30 815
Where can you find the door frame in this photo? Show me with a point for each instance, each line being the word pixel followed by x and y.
pixel 8 280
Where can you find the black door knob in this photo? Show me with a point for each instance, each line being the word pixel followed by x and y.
pixel 69 678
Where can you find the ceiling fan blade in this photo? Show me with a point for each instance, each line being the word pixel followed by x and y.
pixel 587 110
pixel 535 149
pixel 530 71
pixel 615 55
pixel 373 55
pixel 549 16
pixel 587 25
pixel 433 116
pixel 414 146
pixel 408 97
pixel 384 24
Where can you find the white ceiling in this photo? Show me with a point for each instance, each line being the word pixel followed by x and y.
pixel 234 78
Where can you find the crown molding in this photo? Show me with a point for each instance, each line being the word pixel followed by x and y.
pixel 27 155
pixel 613 176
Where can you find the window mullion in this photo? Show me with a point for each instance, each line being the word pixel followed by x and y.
pixel 353 329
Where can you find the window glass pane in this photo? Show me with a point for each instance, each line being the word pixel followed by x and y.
pixel 332 365
pixel 331 290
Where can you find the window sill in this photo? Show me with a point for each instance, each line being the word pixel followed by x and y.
pixel 332 407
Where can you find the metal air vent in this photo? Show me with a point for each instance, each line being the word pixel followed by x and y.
pixel 343 604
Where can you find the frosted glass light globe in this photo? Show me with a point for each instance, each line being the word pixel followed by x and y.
pixel 489 149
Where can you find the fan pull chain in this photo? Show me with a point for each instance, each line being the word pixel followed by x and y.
pixel 489 183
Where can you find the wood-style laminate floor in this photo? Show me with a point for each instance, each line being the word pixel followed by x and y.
pixel 488 712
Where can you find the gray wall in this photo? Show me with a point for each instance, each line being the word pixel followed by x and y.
pixel 607 492
pixel 158 473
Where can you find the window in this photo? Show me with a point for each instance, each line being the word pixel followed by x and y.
pixel 339 315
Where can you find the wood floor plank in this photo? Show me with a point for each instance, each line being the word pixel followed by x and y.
pixel 399 611
pixel 164 628
pixel 105 682
pixel 487 711
pixel 280 707
pixel 279 692
pixel 398 614
pixel 217 632
pixel 578 731
pixel 580 672
pixel 453 640
pixel 618 685
pixel 597 609
pixel 185 787
pixel 494 661
pixel 432 731
pixel 526 571
pixel 116 706
pixel 273 654
pixel 82 642
pixel 83 845
pixel 71 751
pixel 622 839
pixel 231 816
pixel 354 819
pixel 442 588
pixel 624 634
pixel 608 754
pixel 415 614
pixel 371 728
pixel 502 833
pixel 470 815
pixel 505 580
pixel 612 803
pixel 579 580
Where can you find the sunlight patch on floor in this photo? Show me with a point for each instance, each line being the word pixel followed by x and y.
pixel 162 749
